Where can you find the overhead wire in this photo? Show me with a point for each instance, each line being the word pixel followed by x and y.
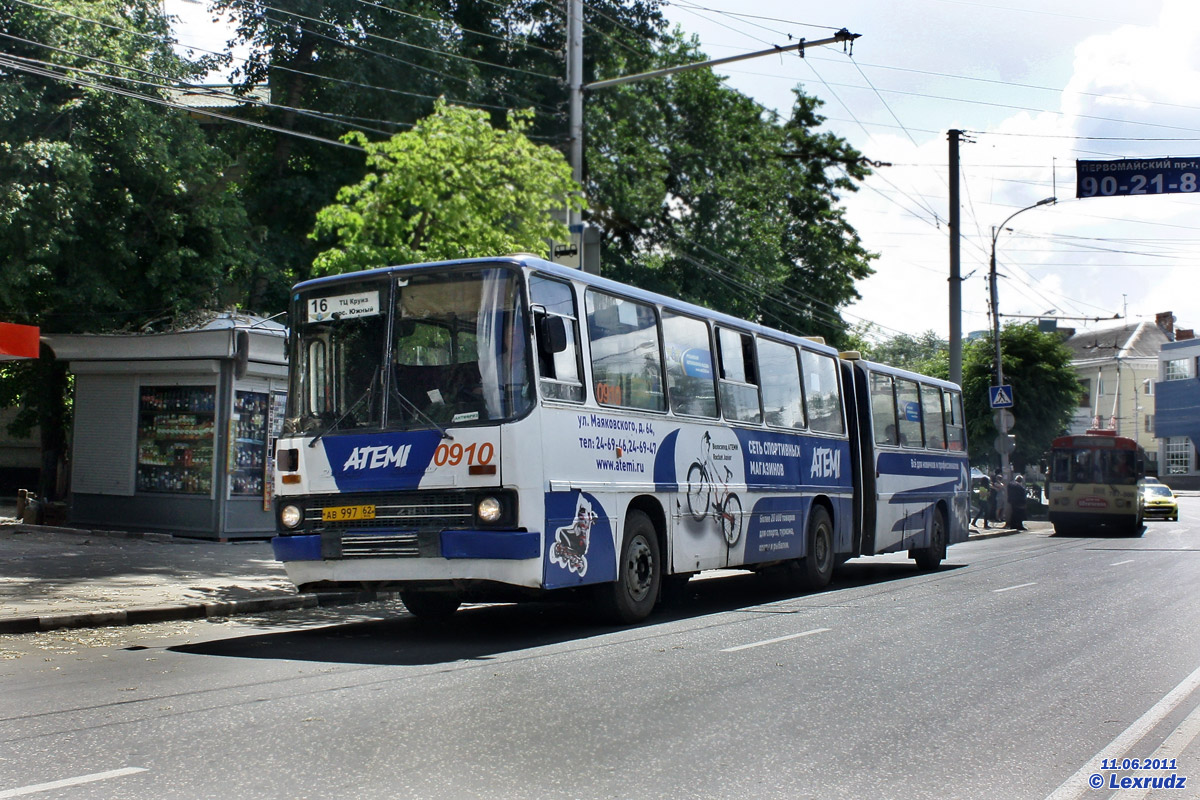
pixel 12 63
pixel 152 37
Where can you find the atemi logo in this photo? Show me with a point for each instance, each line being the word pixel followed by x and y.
pixel 377 456
pixel 826 463
pixel 1091 501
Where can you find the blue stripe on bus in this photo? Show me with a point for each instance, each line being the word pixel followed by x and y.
pixel 297 548
pixel 512 545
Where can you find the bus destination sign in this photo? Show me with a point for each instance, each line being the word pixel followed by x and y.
pixel 1128 176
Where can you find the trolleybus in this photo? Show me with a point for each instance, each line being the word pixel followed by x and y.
pixel 1094 483
pixel 507 428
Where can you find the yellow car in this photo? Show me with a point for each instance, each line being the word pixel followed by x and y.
pixel 1159 502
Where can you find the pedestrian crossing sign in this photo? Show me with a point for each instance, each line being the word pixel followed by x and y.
pixel 1001 396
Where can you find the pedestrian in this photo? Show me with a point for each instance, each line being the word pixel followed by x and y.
pixel 999 499
pixel 1016 503
pixel 983 502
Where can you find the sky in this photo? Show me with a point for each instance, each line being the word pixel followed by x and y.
pixel 1035 85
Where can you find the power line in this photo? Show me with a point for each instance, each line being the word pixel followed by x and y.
pixel 342 29
pixel 12 63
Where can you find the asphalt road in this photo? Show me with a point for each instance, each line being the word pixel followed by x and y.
pixel 1011 673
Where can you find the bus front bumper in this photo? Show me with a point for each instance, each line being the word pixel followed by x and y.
pixel 457 544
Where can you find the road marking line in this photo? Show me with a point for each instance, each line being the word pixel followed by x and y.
pixel 1010 588
pixel 1077 785
pixel 1172 746
pixel 1126 561
pixel 773 641
pixel 95 776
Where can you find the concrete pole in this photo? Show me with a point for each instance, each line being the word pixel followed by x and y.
pixel 955 266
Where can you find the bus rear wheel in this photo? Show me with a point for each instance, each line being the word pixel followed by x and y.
pixel 634 594
pixel 929 558
pixel 817 567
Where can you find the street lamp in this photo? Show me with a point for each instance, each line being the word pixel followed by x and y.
pixel 1003 426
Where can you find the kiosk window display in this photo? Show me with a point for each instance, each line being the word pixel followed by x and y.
pixel 176 432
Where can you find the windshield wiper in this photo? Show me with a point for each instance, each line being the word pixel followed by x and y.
pixel 365 395
pixel 412 408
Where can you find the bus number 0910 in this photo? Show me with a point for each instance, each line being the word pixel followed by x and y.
pixel 454 454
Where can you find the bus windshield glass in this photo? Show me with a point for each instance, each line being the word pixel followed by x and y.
pixel 411 351
pixel 1094 465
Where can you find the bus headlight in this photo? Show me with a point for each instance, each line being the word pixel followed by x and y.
pixel 490 509
pixel 290 516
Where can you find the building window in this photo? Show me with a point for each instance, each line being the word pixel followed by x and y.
pixel 1148 386
pixel 1149 423
pixel 1085 393
pixel 1177 369
pixel 1178 456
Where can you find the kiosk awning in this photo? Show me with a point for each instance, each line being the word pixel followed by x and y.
pixel 18 341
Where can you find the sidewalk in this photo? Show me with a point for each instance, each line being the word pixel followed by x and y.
pixel 69 578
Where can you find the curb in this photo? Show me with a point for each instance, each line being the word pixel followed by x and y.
pixel 24 527
pixel 169 613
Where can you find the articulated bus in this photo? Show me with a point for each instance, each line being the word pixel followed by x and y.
pixel 1094 483
pixel 506 428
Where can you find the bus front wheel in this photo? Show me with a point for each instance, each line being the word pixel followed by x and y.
pixel 817 568
pixel 634 594
pixel 430 605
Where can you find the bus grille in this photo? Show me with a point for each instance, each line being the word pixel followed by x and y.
pixel 404 521
pixel 380 545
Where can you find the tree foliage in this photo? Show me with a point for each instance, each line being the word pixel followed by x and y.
pixel 379 68
pixel 452 187
pixel 928 353
pixel 702 194
pixel 1045 392
pixel 113 210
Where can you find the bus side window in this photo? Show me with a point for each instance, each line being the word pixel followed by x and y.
pixel 952 411
pixel 690 378
pixel 783 401
pixel 557 329
pixel 931 410
pixel 883 409
pixel 739 376
pixel 822 397
pixel 626 357
pixel 908 412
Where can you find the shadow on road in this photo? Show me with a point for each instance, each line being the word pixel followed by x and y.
pixel 486 631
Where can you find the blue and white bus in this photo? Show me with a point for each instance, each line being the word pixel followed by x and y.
pixel 506 428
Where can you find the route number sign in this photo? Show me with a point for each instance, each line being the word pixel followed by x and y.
pixel 1130 176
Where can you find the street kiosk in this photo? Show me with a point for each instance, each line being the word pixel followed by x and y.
pixel 173 431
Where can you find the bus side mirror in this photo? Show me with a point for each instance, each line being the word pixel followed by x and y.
pixel 552 334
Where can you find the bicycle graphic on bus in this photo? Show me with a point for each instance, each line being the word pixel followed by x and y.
pixel 708 491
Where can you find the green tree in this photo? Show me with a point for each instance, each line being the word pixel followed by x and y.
pixel 704 195
pixel 452 187
pixel 113 210
pixel 928 353
pixel 378 68
pixel 1045 392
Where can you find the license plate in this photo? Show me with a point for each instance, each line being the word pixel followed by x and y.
pixel 347 513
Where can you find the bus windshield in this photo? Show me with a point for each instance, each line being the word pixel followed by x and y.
pixel 410 351
pixel 1094 465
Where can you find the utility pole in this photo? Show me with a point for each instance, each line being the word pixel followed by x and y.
pixel 575 83
pixel 955 266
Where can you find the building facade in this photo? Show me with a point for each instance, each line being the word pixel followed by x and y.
pixel 1177 421
pixel 1118 367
